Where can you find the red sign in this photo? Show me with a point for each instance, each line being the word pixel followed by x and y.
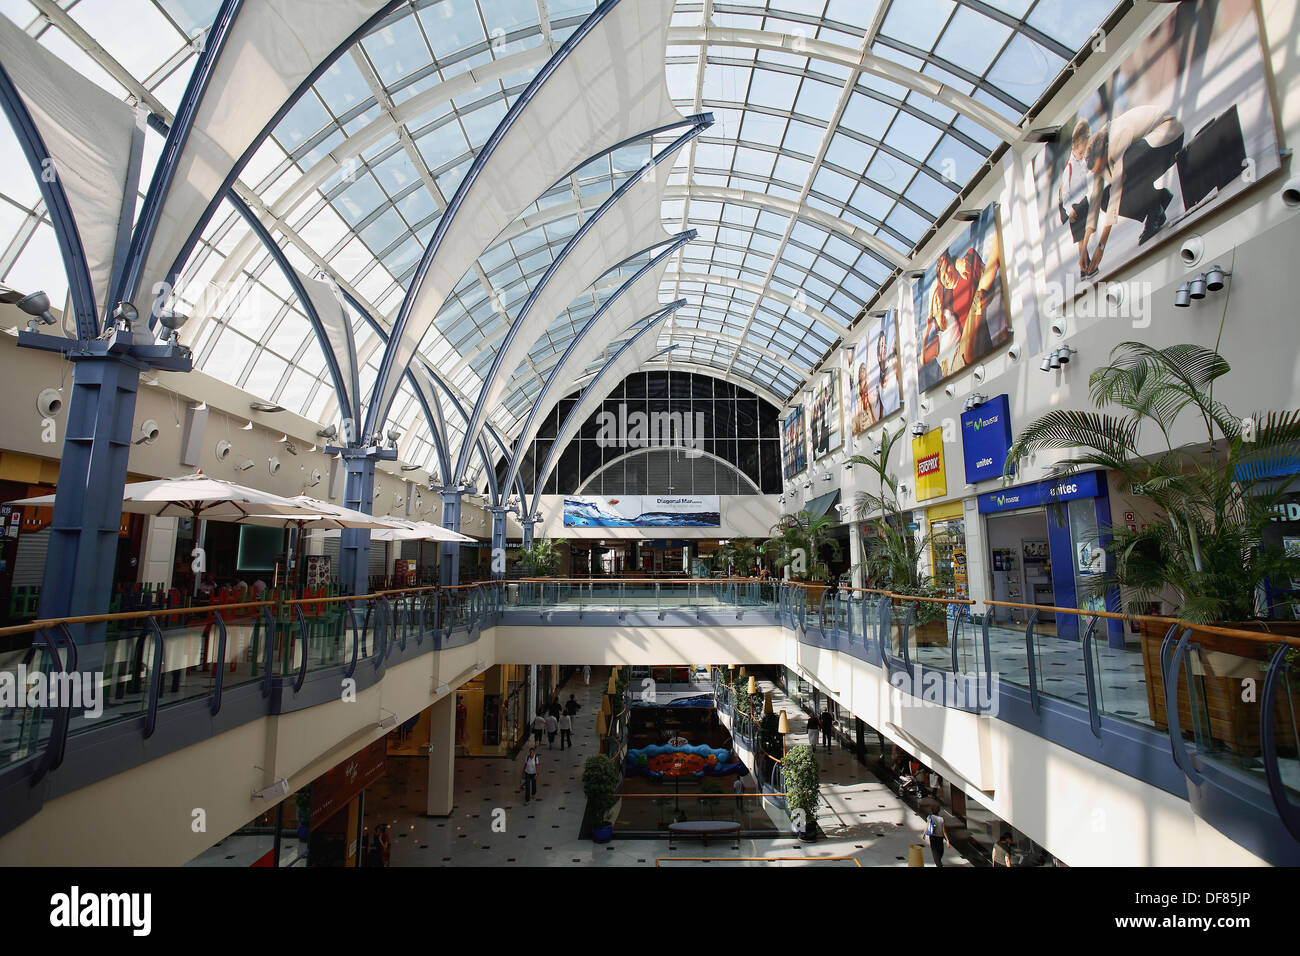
pixel 927 465
pixel 331 791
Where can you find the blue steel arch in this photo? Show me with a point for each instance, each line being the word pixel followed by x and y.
pixel 550 462
pixel 672 246
pixel 375 416
pixel 227 186
pixel 696 128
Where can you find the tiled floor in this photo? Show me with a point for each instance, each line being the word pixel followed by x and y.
pixel 861 817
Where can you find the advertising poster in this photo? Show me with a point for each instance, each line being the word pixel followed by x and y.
pixel 986 439
pixel 927 458
pixel 827 428
pixel 961 303
pixel 643 511
pixel 1183 125
pixel 874 393
pixel 794 444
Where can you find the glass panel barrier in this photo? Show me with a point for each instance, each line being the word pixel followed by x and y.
pixel 1121 680
pixel 25 726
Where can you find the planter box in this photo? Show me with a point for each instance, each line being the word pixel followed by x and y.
pixel 931 634
pixel 1225 662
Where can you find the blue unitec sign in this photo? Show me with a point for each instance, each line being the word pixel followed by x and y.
pixel 985 439
pixel 1088 484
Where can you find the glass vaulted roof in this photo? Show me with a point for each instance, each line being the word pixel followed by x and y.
pixel 827 163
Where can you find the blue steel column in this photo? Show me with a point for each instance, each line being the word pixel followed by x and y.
pixel 358 493
pixel 88 504
pixel 449 551
pixel 498 540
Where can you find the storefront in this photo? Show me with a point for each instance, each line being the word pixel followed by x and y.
pixel 331 810
pixel 948 548
pixel 1045 546
pixel 490 718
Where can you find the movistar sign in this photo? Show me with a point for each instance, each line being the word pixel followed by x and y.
pixel 985 438
pixel 1089 484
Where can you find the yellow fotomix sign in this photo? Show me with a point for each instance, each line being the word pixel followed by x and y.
pixel 927 458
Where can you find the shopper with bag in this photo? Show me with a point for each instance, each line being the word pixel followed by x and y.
pixel 530 775
pixel 934 830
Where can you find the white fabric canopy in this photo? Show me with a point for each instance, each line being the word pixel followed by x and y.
pixel 401 530
pixel 639 350
pixel 197 496
pixel 335 320
pixel 631 224
pixel 610 89
pixel 273 46
pixel 88 135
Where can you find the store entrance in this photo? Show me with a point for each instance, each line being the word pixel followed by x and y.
pixel 1020 566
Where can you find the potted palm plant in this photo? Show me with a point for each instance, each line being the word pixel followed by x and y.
pixel 798 541
pixel 543 557
pixel 1204 554
pixel 891 551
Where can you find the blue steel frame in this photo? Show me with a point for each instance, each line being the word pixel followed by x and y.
pixel 496 369
pixel 147 225
pixel 551 457
pixel 375 416
pixel 56 201
pixel 291 275
pixel 188 247
pixel 676 243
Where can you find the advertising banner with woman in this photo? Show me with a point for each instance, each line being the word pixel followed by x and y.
pixel 874 393
pixel 827 429
pixel 794 444
pixel 961 303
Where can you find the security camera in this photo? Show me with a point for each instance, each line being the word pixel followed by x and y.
pixel 273 465
pixel 1058 327
pixel 1291 191
pixel 949 391
pixel 979 374
pixel 148 433
pixel 48 402
pixel 223 450
pixel 328 432
pixel 1192 249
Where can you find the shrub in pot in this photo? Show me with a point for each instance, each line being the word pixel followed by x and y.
pixel 802 777
pixel 599 778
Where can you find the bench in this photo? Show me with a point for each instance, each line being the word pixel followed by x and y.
pixel 702 829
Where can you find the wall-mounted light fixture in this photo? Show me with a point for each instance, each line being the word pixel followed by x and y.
pixel 918 428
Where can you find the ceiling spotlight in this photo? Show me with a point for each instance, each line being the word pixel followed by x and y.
pixel 394 435
pixel 124 315
pixel 1214 278
pixel 1043 134
pixel 410 468
pixel 807 484
pixel 1063 354
pixel 1182 298
pixel 1046 363
pixel 246 464
pixel 949 390
pixel 979 374
pixel 781 499
pixel 1054 360
pixel 315 478
pixel 826 476
pixel 248 427
pixel 848 466
pixel 1196 288
pixel 223 450
pixel 967 215
pixel 265 407
pixel 329 431
pixel 48 402
pixel 172 321
pixel 918 429
pixel 915 273
pixel 37 305
pixel 273 465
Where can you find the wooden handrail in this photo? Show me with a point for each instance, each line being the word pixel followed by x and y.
pixel 129 616
pixel 759 859
pixel 643 581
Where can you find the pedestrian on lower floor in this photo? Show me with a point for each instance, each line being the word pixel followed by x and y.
pixel 827 725
pixel 566 731
pixel 586 673
pixel 552 728
pixel 539 725
pixel 739 789
pixel 934 830
pixel 530 774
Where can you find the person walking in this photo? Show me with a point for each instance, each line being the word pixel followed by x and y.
pixel 566 730
pixel 571 706
pixel 530 774
pixel 935 831
pixel 739 789
pixel 552 728
pixel 385 845
pixel 813 727
pixel 555 709
pixel 586 673
pixel 539 725
pixel 827 725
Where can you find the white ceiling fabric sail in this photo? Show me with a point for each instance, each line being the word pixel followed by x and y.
pixel 336 321
pixel 611 88
pixel 273 46
pixel 637 302
pixel 88 134
pixel 630 225
pixel 639 350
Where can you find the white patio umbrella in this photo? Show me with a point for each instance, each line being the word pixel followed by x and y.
pixel 398 529
pixel 195 496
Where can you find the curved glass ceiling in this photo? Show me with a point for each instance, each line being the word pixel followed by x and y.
pixel 828 161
